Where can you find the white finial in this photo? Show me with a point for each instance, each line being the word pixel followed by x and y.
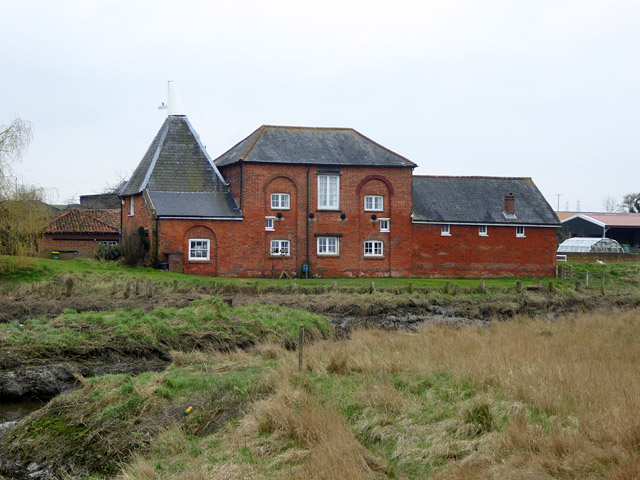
pixel 175 106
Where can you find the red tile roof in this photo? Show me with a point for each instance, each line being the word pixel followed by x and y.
pixel 85 221
pixel 611 219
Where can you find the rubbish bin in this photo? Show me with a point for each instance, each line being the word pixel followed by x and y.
pixel 164 266
pixel 55 255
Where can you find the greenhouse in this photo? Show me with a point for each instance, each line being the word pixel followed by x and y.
pixel 590 245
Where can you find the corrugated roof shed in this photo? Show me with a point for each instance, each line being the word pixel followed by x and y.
pixel 312 146
pixel 479 200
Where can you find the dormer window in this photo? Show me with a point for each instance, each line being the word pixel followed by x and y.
pixel 280 201
pixel 373 203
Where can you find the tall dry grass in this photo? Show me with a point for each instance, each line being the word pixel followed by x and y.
pixel 584 370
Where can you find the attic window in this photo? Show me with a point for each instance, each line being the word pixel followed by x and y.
pixel 520 231
pixel 445 230
pixel 482 231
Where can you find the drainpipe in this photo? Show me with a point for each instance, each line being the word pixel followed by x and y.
pixel 307 217
pixel 157 243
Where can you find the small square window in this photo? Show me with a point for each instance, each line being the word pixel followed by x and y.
pixel 384 225
pixel 198 249
pixel 482 231
pixel 328 246
pixel 280 247
pixel 520 231
pixel 373 203
pixel 268 224
pixel 280 201
pixel 373 248
pixel 445 230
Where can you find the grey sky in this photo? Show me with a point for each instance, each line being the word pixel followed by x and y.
pixel 547 88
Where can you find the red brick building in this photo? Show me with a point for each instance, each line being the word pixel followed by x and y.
pixel 78 233
pixel 332 200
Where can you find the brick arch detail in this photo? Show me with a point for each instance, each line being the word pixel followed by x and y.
pixel 270 179
pixel 201 231
pixel 368 178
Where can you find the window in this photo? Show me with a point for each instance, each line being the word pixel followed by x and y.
pixel 373 203
pixel 328 246
pixel 198 249
pixel 373 248
pixel 445 230
pixel 329 192
pixel 482 231
pixel 280 247
pixel 519 231
pixel 107 242
pixel 384 225
pixel 280 201
pixel 268 224
pixel 131 206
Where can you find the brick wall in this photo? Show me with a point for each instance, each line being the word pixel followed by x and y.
pixel 85 244
pixel 142 217
pixel 465 253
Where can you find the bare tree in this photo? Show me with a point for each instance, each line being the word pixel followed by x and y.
pixel 631 202
pixel 610 204
pixel 14 140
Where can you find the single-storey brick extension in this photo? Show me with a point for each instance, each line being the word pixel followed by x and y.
pixel 330 199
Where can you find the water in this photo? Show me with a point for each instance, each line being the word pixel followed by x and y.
pixel 11 412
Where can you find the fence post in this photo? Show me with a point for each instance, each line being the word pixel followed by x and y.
pixel 586 279
pixel 150 289
pixel 127 290
pixel 552 287
pixel 68 286
pixel 602 284
pixel 483 288
pixel 334 286
pixel 518 286
pixel 137 287
pixel 410 287
pixel 175 286
pixel 372 287
pixel 114 289
pixel 300 346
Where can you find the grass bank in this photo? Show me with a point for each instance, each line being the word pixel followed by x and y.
pixel 520 399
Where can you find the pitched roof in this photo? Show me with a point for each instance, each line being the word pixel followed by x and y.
pixel 619 220
pixel 312 146
pixel 85 221
pixel 176 161
pixel 479 200
pixel 195 204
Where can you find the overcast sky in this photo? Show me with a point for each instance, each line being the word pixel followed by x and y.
pixel 548 89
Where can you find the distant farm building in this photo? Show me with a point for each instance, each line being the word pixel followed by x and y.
pixel 589 245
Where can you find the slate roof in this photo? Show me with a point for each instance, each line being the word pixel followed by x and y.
pixel 479 200
pixel 85 221
pixel 176 161
pixel 195 204
pixel 312 146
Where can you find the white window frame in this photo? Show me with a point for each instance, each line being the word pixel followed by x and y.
pixel 520 231
pixel 206 245
pixel 483 231
pixel 373 203
pixel 278 201
pixel 325 247
pixel 277 245
pixel 385 225
pixel 376 247
pixel 269 224
pixel 326 205
pixel 445 230
pixel 107 242
pixel 131 206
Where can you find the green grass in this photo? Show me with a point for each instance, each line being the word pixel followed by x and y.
pixel 207 323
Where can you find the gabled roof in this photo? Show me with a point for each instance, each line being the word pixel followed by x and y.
pixel 311 146
pixel 479 200
pixel 176 161
pixel 617 220
pixel 195 204
pixel 85 221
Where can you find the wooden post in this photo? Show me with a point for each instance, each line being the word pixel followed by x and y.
pixel 447 288
pixel 577 285
pixel 214 287
pixel 602 284
pixel 127 290
pixel 570 272
pixel 552 287
pixel 483 288
pixel 372 287
pixel 150 289
pixel 175 286
pixel 410 288
pixel 68 286
pixel 518 286
pixel 300 347
pixel 137 287
pixel 334 286
pixel 294 287
pixel 586 279
pixel 114 289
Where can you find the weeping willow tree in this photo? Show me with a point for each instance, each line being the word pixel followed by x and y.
pixel 23 214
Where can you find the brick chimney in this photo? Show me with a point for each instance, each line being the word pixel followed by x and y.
pixel 510 204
